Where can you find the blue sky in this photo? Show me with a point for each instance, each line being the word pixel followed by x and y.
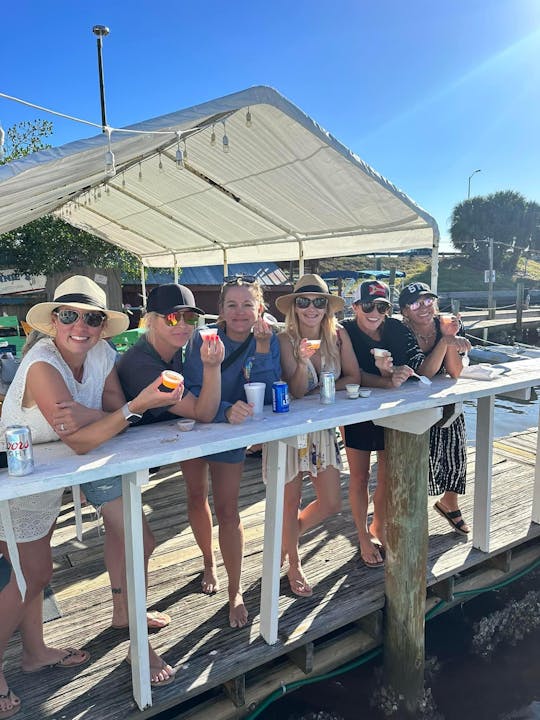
pixel 424 92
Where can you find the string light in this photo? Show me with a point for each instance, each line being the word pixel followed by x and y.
pixel 226 147
pixel 140 171
pixel 248 118
pixel 110 165
pixel 123 180
pixel 213 136
pixel 185 151
pixel 179 153
pixel 160 164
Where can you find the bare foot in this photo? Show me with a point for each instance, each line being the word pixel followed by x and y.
pixel 370 552
pixel 210 582
pixel 238 613
pixel 155 619
pixel 161 673
pixel 298 582
pixel 377 533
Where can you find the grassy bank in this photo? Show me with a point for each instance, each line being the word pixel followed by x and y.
pixel 455 273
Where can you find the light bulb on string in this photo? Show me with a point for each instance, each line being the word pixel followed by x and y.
pixel 249 119
pixel 110 165
pixel 123 180
pixel 185 151
pixel 107 189
pixel 140 171
pixel 225 141
pixel 160 163
pixel 179 157
pixel 213 136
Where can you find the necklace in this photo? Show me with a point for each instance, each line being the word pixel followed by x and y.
pixel 424 338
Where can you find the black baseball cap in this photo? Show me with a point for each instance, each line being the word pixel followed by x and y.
pixel 371 290
pixel 166 299
pixel 413 291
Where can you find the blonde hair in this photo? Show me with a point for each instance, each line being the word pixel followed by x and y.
pixel 329 335
pixel 255 288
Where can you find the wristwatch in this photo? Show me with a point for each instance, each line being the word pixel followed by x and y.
pixel 131 417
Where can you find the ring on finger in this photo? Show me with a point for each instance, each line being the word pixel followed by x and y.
pixel 62 427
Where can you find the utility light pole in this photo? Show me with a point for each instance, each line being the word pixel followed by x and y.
pixel 100 31
pixel 469 187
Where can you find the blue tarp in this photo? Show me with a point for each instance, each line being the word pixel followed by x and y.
pixel 268 273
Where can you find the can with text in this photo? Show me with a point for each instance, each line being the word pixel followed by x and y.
pixel 280 397
pixel 20 457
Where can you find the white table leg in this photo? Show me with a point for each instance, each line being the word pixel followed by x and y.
pixel 136 587
pixel 11 542
pixel 483 473
pixel 273 524
pixel 536 493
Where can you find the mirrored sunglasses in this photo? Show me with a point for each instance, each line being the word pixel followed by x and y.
pixel 426 302
pixel 381 307
pixel 319 303
pixel 187 316
pixel 92 318
pixel 239 279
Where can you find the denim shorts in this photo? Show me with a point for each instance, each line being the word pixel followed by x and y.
pixel 228 456
pixel 99 492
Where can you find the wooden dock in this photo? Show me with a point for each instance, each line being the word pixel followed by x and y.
pixel 210 656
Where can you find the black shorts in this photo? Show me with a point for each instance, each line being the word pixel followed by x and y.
pixel 364 436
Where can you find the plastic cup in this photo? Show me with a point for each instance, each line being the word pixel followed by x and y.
pixel 313 344
pixel 208 333
pixel 352 390
pixel 185 424
pixel 446 321
pixel 170 380
pixel 255 396
pixel 380 352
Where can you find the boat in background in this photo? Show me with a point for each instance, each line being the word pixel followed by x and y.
pixel 502 353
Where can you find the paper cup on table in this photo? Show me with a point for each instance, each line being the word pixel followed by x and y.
pixel 255 396
pixel 352 390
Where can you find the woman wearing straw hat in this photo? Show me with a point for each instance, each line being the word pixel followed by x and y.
pixel 310 344
pixel 72 364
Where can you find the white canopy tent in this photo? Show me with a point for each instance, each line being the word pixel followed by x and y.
pixel 285 190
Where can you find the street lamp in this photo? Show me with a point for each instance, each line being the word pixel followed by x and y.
pixel 470 176
pixel 100 31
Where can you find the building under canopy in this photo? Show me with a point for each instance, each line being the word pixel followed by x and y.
pixel 244 178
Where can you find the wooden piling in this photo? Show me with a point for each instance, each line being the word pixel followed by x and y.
pixel 406 555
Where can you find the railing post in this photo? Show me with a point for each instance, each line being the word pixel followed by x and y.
pixel 406 555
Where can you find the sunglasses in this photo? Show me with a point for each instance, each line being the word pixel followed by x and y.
pixel 426 302
pixel 239 279
pixel 69 317
pixel 187 316
pixel 381 307
pixel 319 303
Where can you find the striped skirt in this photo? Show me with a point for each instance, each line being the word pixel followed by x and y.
pixel 448 458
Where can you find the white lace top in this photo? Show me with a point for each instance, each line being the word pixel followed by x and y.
pixel 33 516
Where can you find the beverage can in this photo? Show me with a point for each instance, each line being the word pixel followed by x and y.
pixel 20 457
pixel 328 388
pixel 280 397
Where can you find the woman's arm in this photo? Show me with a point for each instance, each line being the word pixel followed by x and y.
pixel 294 370
pixel 46 388
pixel 350 370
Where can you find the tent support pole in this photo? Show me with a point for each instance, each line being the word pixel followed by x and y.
pixel 225 263
pixel 175 270
pixel 300 258
pixel 435 262
pixel 143 286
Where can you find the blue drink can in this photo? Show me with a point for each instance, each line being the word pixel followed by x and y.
pixel 328 388
pixel 20 457
pixel 280 397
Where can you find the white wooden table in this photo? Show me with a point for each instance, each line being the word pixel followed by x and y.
pixel 409 408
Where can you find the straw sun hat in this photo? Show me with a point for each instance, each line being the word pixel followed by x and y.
pixel 310 285
pixel 79 292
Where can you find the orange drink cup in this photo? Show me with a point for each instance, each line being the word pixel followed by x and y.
pixel 313 344
pixel 170 380
pixel 446 321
